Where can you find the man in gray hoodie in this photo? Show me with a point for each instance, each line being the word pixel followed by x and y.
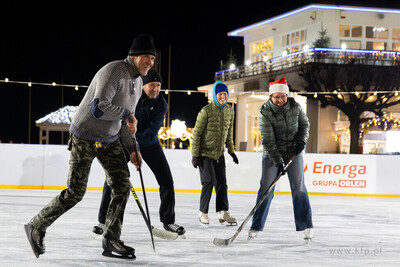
pixel 101 121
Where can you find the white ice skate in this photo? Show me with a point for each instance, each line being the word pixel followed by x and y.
pixel 252 234
pixel 203 218
pixel 224 216
pixel 308 234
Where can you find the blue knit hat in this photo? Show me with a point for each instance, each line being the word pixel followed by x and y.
pixel 218 88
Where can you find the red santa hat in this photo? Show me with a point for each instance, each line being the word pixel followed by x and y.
pixel 279 86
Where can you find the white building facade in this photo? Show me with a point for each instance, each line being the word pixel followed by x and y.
pixel 275 45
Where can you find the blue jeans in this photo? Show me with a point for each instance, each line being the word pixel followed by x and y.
pixel 301 203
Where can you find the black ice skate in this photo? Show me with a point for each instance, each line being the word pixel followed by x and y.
pixel 117 249
pixel 98 229
pixel 176 228
pixel 35 239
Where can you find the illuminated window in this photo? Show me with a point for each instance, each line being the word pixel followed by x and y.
pixel 376 32
pixel 396 46
pixel 349 44
pixel 356 31
pixel 376 46
pixel 396 33
pixel 344 30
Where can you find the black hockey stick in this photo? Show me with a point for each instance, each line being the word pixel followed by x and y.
pixel 226 242
pixel 148 221
pixel 156 232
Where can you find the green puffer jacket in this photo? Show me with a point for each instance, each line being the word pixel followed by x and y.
pixel 281 128
pixel 213 130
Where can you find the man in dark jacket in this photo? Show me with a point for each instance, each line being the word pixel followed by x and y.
pixel 150 113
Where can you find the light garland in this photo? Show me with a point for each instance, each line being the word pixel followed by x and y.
pixel 29 84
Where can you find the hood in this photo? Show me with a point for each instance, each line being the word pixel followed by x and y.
pixel 221 87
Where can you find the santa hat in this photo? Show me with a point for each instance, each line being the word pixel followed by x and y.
pixel 279 86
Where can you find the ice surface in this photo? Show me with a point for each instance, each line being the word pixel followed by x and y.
pixel 349 231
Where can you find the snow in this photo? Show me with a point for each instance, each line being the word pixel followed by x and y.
pixel 349 231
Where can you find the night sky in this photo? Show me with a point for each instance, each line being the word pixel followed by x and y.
pixel 47 41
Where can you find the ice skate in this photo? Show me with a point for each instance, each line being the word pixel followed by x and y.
pixel 98 229
pixel 203 218
pixel 117 249
pixel 308 234
pixel 176 228
pixel 224 216
pixel 252 234
pixel 35 239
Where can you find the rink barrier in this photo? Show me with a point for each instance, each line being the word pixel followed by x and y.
pixel 197 191
pixel 46 167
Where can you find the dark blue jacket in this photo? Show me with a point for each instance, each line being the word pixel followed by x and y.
pixel 150 114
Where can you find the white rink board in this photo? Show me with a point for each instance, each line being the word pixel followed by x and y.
pixel 47 165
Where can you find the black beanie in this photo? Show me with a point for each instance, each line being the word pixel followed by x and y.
pixel 142 45
pixel 152 76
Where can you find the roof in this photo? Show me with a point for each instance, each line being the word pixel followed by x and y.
pixel 240 31
pixel 63 115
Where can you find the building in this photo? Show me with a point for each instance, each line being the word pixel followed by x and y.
pixel 277 46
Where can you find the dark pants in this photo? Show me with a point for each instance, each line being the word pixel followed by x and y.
pixel 155 158
pixel 213 174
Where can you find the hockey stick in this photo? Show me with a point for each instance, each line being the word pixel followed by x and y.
pixel 148 222
pixel 156 232
pixel 226 242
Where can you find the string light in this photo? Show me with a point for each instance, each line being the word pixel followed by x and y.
pixel 189 92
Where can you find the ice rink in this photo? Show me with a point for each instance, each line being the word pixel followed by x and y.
pixel 349 231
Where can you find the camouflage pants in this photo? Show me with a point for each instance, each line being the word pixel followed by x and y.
pixel 112 159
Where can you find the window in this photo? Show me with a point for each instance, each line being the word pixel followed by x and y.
pixel 396 33
pixel 396 46
pixel 344 30
pixel 356 31
pixel 292 42
pixel 376 46
pixel 376 32
pixel 349 44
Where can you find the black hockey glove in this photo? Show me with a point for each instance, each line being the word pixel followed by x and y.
pixel 195 162
pixel 299 147
pixel 281 168
pixel 235 158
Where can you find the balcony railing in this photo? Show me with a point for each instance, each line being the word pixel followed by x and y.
pixel 313 55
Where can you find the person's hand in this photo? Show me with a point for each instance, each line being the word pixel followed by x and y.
pixel 131 122
pixel 195 162
pixel 299 147
pixel 136 159
pixel 235 158
pixel 281 168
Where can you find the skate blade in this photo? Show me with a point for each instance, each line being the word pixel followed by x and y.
pixel 35 252
pixel 307 240
pixel 227 223
pixel 205 225
pixel 120 256
pixel 182 236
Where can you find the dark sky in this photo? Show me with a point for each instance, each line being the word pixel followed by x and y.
pixel 46 41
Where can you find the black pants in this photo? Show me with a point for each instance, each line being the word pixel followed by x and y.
pixel 155 158
pixel 213 174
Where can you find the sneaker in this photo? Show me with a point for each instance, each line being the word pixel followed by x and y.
pixel 203 218
pixel 117 249
pixel 224 216
pixel 173 227
pixel 98 229
pixel 308 234
pixel 35 238
pixel 252 234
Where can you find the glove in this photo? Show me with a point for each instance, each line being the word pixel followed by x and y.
pixel 195 162
pixel 235 158
pixel 281 168
pixel 299 147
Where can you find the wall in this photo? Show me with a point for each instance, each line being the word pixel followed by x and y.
pixel 46 167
